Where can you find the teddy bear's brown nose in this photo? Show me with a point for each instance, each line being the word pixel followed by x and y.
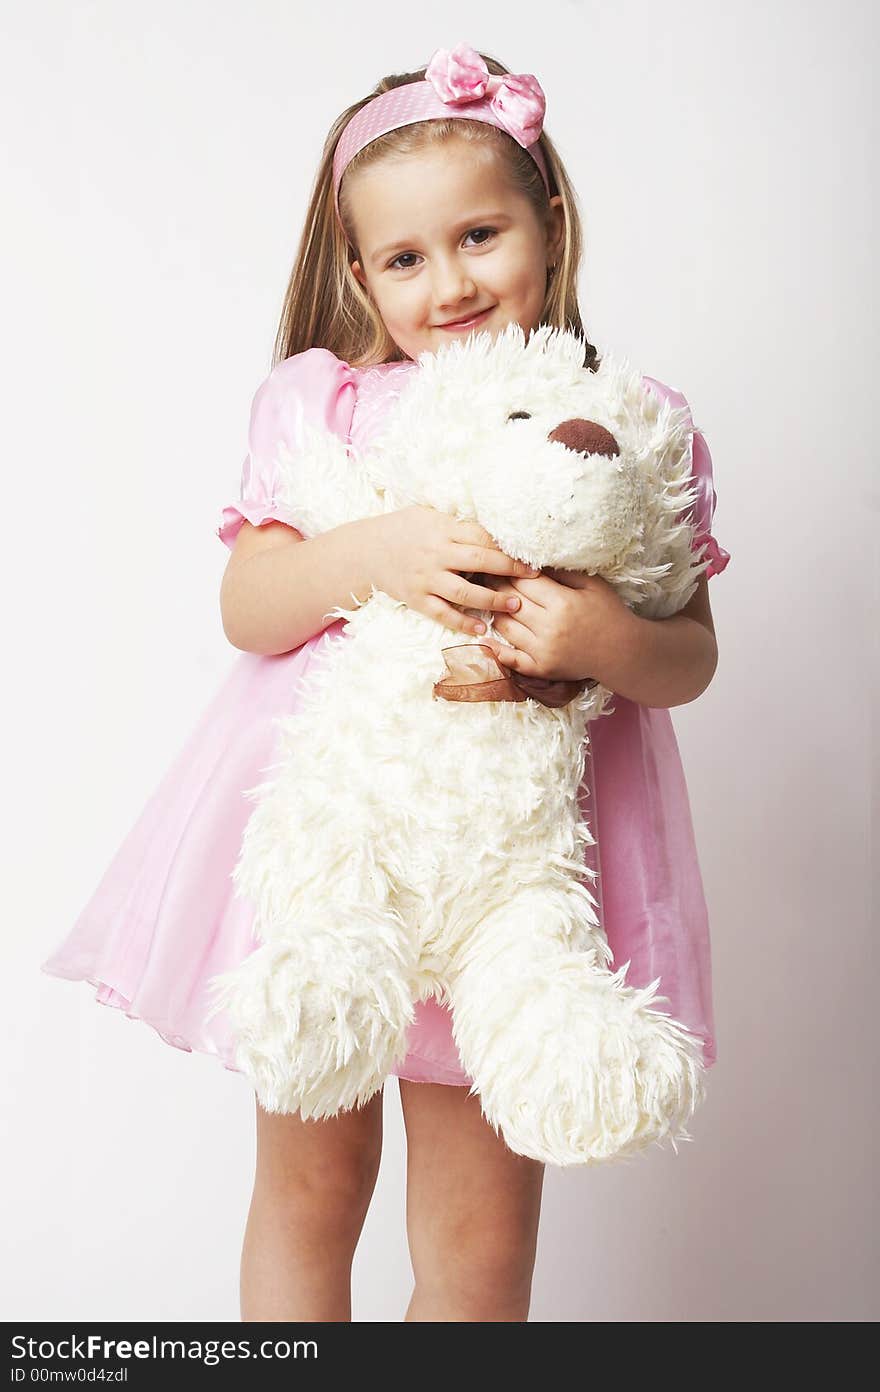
pixel 585 437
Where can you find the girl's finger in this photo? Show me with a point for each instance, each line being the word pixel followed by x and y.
pixel 458 590
pixel 492 561
pixel 508 657
pixel 453 618
pixel 513 628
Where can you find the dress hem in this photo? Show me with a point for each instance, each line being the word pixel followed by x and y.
pixel 178 1042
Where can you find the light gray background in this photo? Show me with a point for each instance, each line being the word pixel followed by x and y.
pixel 157 162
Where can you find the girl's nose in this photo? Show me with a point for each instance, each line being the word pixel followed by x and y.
pixel 453 286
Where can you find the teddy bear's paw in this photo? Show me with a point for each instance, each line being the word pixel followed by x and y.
pixel 578 1068
pixel 315 1034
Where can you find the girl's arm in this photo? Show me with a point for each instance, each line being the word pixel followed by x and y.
pixel 278 588
pixel 666 662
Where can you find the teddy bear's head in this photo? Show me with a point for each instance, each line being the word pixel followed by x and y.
pixel 564 466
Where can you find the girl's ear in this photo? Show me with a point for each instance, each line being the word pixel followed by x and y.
pixel 357 271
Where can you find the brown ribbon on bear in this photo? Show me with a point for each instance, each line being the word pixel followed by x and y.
pixel 473 673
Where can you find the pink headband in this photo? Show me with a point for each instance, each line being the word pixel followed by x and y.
pixel 455 84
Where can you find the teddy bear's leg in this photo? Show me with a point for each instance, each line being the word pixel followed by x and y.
pixel 571 1065
pixel 321 1010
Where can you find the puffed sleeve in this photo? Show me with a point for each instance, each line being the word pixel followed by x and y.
pixel 314 386
pixel 701 475
pixel 704 507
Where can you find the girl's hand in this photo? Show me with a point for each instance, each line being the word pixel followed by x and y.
pixel 568 626
pixel 425 558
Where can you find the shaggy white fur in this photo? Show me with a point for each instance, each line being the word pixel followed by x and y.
pixel 406 846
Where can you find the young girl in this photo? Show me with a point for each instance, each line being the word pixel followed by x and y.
pixel 440 208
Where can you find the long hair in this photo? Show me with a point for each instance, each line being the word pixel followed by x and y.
pixel 324 304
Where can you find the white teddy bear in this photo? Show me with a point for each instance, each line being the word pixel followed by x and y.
pixel 408 845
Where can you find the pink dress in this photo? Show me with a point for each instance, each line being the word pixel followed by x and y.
pixel 163 919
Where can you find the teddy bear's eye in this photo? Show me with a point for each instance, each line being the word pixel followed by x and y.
pixel 520 415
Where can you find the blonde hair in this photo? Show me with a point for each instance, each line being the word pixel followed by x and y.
pixel 326 307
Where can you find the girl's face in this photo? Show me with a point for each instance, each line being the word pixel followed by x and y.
pixel 443 237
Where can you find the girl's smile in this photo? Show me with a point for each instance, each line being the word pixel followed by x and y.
pixel 461 325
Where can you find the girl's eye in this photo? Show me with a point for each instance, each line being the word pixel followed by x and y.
pixel 520 415
pixel 490 230
pixel 473 230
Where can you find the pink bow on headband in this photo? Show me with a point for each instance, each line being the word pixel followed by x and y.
pixel 516 99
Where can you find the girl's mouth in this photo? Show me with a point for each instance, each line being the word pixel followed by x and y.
pixel 461 324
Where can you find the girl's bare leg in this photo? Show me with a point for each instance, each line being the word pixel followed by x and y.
pixel 473 1209
pixel 314 1181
